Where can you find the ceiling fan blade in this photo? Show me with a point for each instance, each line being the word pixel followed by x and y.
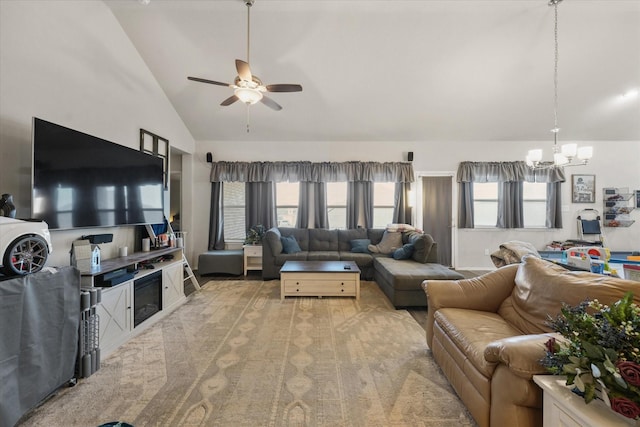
pixel 284 88
pixel 230 100
pixel 244 72
pixel 271 103
pixel 198 79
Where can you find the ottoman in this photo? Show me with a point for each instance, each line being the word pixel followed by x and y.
pixel 225 261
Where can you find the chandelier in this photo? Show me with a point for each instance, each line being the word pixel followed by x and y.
pixel 567 154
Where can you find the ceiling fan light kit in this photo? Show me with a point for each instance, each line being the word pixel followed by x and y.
pixel 248 88
pixel 566 154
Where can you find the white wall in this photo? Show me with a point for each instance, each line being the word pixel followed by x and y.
pixel 616 164
pixel 70 62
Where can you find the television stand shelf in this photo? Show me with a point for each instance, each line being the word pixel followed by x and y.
pixel 117 311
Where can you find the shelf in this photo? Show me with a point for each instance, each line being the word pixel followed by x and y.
pixel 618 204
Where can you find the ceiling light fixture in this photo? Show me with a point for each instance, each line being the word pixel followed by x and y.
pixel 567 154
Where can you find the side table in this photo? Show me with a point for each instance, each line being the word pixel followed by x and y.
pixel 252 257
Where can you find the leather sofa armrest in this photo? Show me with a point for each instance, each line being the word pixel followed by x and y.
pixel 484 293
pixel 521 354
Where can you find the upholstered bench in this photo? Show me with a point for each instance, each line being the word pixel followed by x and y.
pixel 225 261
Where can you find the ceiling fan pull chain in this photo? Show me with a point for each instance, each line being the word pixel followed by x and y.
pixel 248 117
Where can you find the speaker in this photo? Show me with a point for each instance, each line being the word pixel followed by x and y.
pixel 96 239
pixel 410 156
pixel 209 158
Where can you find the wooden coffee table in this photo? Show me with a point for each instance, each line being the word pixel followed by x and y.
pixel 319 278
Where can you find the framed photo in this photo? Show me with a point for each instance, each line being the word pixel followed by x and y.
pixel 583 188
pixel 637 199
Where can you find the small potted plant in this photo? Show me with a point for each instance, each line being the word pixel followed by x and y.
pixel 255 235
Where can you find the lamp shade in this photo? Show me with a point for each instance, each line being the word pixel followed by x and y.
pixel 535 155
pixel 248 95
pixel 585 153
pixel 569 150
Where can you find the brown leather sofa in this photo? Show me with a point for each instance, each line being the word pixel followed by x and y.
pixel 487 333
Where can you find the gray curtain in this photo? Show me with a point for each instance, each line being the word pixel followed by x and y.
pixel 554 205
pixel 216 218
pixel 509 196
pixel 360 204
pixel 312 172
pixel 312 194
pixel 510 205
pixel 401 208
pixel 260 204
pixel 465 205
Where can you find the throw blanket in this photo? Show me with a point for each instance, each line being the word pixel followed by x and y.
pixel 512 252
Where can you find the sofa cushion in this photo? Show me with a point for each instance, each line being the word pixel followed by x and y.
pixel 409 275
pixel 542 286
pixel 422 244
pixel 280 259
pixel 375 235
pixel 404 252
pixel 290 245
pixel 471 331
pixel 391 240
pixel 323 256
pixel 321 239
pixel 361 260
pixel 346 236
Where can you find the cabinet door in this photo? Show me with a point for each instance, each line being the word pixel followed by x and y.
pixel 115 316
pixel 172 284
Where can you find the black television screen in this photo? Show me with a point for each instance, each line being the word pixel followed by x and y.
pixel 80 180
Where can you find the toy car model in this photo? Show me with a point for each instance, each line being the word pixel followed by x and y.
pixel 25 246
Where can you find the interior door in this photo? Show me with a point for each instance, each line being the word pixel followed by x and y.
pixel 437 214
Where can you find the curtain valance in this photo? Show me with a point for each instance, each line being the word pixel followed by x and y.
pixel 311 172
pixel 507 172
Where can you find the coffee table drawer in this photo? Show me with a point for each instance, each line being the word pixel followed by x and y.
pixel 320 287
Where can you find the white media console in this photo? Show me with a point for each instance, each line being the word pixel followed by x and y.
pixel 119 311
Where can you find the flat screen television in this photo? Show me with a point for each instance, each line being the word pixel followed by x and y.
pixel 80 180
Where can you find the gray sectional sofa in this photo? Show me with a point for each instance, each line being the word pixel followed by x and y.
pixel 399 279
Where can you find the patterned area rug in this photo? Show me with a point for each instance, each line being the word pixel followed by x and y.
pixel 235 355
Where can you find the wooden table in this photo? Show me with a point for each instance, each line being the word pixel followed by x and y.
pixel 319 278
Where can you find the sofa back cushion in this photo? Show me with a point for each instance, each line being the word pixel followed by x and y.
pixel 422 243
pixel 375 235
pixel 301 235
pixel 321 239
pixel 542 286
pixel 346 236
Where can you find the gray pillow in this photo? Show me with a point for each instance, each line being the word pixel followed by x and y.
pixel 391 240
pixel 422 244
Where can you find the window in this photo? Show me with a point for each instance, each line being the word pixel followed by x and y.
pixel 485 204
pixel 534 200
pixel 337 204
pixel 287 196
pixel 234 223
pixel 383 198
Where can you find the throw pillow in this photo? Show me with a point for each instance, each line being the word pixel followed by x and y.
pixel 290 245
pixel 423 244
pixel 404 252
pixel 391 240
pixel 360 246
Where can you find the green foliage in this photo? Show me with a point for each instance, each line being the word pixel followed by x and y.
pixel 599 352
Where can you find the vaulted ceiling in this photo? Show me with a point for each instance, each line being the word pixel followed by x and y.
pixel 397 70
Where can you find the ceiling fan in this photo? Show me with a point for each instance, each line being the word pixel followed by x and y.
pixel 247 87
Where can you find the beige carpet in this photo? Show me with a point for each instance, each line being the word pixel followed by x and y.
pixel 235 355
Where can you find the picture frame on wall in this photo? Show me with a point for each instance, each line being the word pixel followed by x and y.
pixel 637 199
pixel 583 188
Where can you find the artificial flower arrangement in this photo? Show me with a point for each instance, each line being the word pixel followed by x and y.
pixel 255 235
pixel 600 352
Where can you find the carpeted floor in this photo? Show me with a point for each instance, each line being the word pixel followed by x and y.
pixel 235 355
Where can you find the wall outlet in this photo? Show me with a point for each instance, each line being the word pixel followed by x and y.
pixel 486 252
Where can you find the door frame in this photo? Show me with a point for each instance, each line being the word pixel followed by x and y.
pixel 418 213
